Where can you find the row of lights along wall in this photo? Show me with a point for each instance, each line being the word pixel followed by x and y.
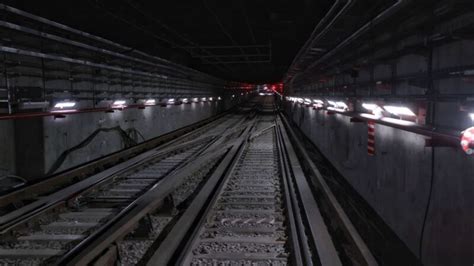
pixel 389 114
pixel 121 104
pixel 374 61
pixel 81 72
pixel 60 109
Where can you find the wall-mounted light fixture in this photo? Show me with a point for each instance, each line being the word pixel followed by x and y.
pixel 370 106
pixel 374 109
pixel 342 105
pixel 318 104
pixel 119 104
pixel 318 101
pixel 399 110
pixel 150 102
pixel 171 101
pixel 338 106
pixel 65 105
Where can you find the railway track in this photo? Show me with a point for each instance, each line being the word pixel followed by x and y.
pixel 246 223
pixel 233 193
pixel 35 237
pixel 58 232
pixel 29 193
pixel 262 212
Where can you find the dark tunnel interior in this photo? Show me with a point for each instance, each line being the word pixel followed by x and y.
pixel 240 132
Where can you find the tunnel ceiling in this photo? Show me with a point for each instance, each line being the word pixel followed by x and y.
pixel 251 40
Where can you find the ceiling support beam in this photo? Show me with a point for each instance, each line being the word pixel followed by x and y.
pixel 223 29
pixel 252 35
pixel 221 67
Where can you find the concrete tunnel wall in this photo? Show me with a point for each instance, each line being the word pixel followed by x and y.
pixel 396 181
pixel 61 134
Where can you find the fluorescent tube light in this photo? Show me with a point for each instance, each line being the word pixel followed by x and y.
pixel 66 104
pixel 150 102
pixel 399 110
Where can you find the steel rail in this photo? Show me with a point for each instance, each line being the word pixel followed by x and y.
pixel 301 254
pixel 13 219
pixel 301 251
pixel 90 247
pixel 184 257
pixel 317 231
pixel 136 198
pixel 120 225
pixel 320 182
pixel 169 246
pixel 172 138
pixel 307 230
pixel 88 241
pixel 297 193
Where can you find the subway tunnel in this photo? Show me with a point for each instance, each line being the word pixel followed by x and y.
pixel 237 132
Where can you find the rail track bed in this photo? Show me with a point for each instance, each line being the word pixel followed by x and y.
pixel 231 193
pixel 51 234
pixel 247 222
pixel 58 232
